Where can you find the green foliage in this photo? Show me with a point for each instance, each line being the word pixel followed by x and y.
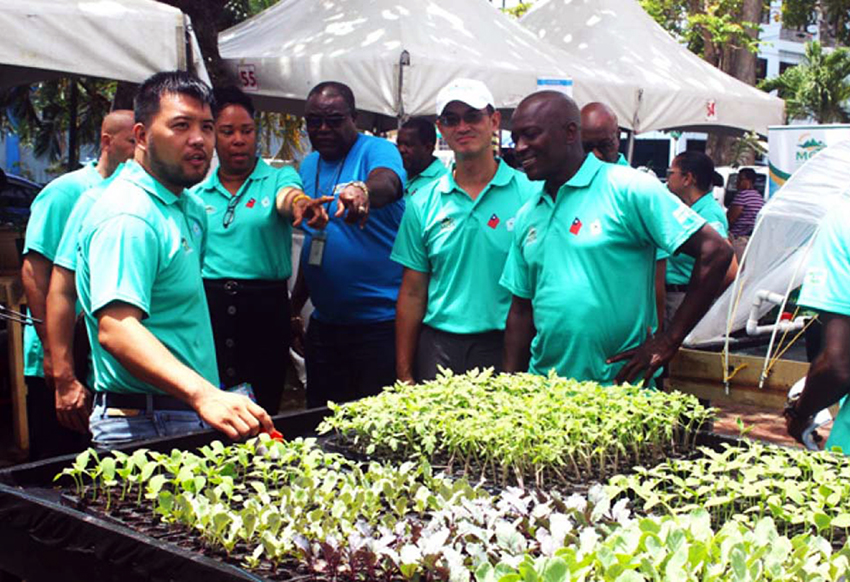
pixel 817 87
pixel 519 10
pixel 801 491
pixel 520 428
pixel 835 14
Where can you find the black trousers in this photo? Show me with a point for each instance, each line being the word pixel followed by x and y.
pixel 48 438
pixel 347 362
pixel 457 352
pixel 251 328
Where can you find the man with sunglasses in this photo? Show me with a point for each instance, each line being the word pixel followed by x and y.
pixel 582 262
pixel 600 133
pixel 346 269
pixel 453 242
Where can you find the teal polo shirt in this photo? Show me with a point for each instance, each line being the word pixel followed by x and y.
pixel 433 172
pixel 622 161
pixel 142 245
pixel 587 263
pixel 258 242
pixel 66 252
pixel 826 287
pixel 48 214
pixel 680 266
pixel 463 244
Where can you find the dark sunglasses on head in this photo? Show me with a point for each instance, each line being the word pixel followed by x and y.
pixel 470 117
pixel 332 121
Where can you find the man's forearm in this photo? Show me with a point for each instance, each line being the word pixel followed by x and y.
pixel 384 187
pixel 146 358
pixel 61 318
pixel 519 332
pixel 35 277
pixel 410 310
pixel 828 379
pixel 712 261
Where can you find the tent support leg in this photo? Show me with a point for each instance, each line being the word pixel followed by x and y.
pixel 631 148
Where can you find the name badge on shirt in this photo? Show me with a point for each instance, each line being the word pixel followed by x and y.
pixel 317 248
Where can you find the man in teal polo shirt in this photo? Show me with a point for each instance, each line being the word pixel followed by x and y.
pixel 453 242
pixel 416 141
pixel 690 178
pixel 139 281
pixel 48 214
pixel 826 288
pixel 582 262
pixel 600 133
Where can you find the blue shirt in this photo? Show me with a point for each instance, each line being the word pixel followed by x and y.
pixel 356 282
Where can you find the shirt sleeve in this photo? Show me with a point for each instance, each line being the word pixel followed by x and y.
pixel 126 251
pixel 383 154
pixel 826 285
pixel 287 177
pixel 48 215
pixel 409 247
pixel 66 252
pixel 657 217
pixel 516 277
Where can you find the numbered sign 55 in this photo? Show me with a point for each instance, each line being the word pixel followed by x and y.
pixel 248 78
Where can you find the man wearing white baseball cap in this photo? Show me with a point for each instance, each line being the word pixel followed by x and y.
pixel 453 243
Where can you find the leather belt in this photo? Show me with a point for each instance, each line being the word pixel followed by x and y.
pixel 141 401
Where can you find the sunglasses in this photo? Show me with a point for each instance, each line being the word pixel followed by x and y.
pixel 230 213
pixel 470 117
pixel 332 121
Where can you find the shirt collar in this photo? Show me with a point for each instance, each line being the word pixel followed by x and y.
pixel 433 169
pixel 261 171
pixel 702 201
pixel 502 177
pixel 136 174
pixel 581 179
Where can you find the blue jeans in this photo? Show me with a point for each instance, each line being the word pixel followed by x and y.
pixel 109 428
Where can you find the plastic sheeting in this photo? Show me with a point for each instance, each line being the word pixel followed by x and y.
pixel 778 250
pixel 125 40
pixel 283 52
pixel 667 85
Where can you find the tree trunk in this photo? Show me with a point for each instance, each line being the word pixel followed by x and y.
pixel 205 15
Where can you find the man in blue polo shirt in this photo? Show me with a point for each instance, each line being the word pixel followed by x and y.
pixel 345 268
pixel 582 263
pixel 453 242
pixel 141 249
pixel 49 213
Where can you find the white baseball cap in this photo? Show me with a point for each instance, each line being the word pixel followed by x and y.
pixel 473 93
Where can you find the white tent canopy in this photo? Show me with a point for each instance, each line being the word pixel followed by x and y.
pixel 669 87
pixel 282 53
pixel 777 254
pixel 125 40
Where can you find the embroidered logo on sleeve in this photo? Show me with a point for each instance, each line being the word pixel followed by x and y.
pixel 531 236
pixel 575 227
pixel 816 277
pixel 683 214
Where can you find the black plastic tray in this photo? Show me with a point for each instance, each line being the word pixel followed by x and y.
pixel 41 539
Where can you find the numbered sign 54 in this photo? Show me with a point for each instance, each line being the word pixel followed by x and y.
pixel 248 78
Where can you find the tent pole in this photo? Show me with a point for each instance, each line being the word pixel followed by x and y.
pixel 631 149
pixel 403 61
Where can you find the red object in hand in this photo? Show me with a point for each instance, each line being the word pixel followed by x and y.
pixel 275 435
pixel 786 316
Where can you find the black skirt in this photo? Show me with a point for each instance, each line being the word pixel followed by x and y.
pixel 251 327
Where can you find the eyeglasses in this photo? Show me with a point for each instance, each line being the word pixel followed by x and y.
pixel 230 213
pixel 470 117
pixel 332 121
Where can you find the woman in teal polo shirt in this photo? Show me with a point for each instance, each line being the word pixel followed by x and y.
pixel 251 209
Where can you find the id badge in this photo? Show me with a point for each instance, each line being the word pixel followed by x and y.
pixel 317 248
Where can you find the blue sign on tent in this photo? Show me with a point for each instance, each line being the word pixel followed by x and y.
pixel 564 86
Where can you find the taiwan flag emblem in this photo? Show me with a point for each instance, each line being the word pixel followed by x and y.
pixel 575 226
pixel 251 203
pixel 493 222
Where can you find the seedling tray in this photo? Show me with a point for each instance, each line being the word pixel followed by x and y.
pixel 45 538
